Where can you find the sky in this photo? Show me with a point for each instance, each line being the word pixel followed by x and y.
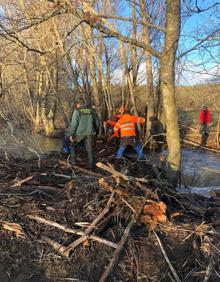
pixel 203 64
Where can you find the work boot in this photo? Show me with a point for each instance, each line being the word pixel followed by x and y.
pixel 72 158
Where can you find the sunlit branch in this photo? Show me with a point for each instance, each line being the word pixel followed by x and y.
pixel 131 20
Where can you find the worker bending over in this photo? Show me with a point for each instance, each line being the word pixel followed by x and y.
pixel 126 129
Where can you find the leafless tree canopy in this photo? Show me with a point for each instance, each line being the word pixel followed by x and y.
pixel 52 52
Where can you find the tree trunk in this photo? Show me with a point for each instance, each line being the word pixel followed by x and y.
pixel 167 78
pixel 149 71
pixel 218 132
pixel 39 91
pixel 48 110
pixel 132 75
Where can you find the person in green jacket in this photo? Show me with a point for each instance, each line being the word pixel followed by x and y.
pixel 83 128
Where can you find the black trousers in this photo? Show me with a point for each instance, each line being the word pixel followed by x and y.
pixel 204 131
pixel 89 142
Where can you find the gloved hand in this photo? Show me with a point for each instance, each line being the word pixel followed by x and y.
pixel 72 138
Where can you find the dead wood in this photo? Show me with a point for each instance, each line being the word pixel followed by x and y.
pixel 118 191
pixel 195 144
pixel 166 258
pixel 208 271
pixel 120 246
pixel 19 182
pixel 115 173
pixel 71 230
pixel 13 227
pixel 214 259
pixel 85 171
pixel 101 226
pixel 66 190
pixel 153 213
pixel 197 228
pixel 47 189
pixel 73 245
pixel 81 206
pixel 56 246
pixel 147 191
pixel 62 175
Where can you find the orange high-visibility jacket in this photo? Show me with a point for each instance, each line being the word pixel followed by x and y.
pixel 126 125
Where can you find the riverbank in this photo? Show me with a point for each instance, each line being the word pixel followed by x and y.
pixel 45 211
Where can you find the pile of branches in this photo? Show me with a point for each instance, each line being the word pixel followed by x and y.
pixel 68 209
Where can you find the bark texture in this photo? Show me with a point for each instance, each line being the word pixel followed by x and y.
pixel 167 78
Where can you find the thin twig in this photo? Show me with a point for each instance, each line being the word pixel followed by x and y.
pixel 166 258
pixel 194 231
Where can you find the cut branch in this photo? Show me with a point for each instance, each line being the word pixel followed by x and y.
pixel 70 230
pixel 120 246
pixel 76 243
pixel 116 173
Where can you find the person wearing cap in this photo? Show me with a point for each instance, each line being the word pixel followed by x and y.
pixel 126 127
pixel 83 129
pixel 204 118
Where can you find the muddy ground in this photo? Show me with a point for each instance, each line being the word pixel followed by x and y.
pixel 74 197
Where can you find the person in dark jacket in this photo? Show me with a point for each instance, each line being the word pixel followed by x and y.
pixel 83 129
pixel 156 133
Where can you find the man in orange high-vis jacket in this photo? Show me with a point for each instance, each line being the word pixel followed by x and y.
pixel 126 126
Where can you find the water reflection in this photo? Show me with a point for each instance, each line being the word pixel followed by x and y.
pixel 47 144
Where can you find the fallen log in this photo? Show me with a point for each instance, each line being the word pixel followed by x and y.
pixel 120 246
pixel 71 230
pixel 195 144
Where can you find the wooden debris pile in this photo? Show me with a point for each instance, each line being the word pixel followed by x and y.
pixel 70 209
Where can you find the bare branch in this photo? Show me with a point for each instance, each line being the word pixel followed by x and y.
pixel 199 44
pixel 131 20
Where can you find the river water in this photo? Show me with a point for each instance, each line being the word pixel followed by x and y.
pixel 200 169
